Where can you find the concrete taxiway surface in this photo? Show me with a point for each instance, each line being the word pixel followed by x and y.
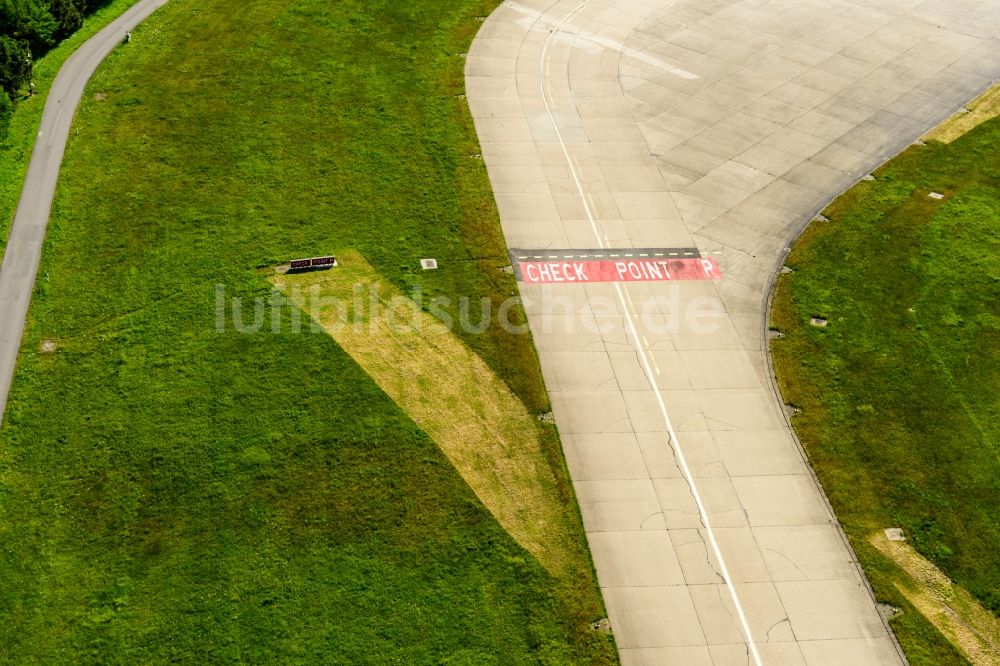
pixel 721 125
pixel 24 246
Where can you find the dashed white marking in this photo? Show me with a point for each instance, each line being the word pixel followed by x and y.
pixel 590 42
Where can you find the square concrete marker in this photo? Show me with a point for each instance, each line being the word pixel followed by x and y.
pixel 936 195
pixel 894 534
pixel 429 264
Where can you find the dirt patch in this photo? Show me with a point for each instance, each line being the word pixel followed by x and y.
pixel 48 346
pixel 449 392
pixel 100 97
pixel 979 110
pixel 956 614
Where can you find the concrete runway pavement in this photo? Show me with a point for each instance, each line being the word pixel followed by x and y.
pixel 24 246
pixel 724 125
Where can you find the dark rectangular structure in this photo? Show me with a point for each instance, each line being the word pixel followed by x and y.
pixel 313 262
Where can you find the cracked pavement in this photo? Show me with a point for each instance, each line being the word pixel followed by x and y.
pixel 724 125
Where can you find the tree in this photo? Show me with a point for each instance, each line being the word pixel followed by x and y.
pixel 69 15
pixel 29 20
pixel 6 109
pixel 15 66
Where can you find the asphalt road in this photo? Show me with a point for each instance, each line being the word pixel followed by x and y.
pixel 24 246
pixel 725 126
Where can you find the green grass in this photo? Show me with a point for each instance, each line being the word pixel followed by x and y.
pixel 900 392
pixel 171 493
pixel 15 148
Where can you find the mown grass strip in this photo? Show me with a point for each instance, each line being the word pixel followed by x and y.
pixel 975 113
pixel 952 610
pixel 486 432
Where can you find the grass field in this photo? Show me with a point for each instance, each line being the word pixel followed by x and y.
pixel 172 493
pixel 449 392
pixel 900 391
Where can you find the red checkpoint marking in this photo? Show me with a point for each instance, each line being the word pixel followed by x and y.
pixel 630 270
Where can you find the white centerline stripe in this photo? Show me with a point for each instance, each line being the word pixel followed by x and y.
pixel 644 357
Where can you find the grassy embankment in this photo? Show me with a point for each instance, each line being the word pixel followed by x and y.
pixel 15 149
pixel 899 391
pixel 170 492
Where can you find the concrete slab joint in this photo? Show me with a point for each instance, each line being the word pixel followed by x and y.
pixel 725 128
